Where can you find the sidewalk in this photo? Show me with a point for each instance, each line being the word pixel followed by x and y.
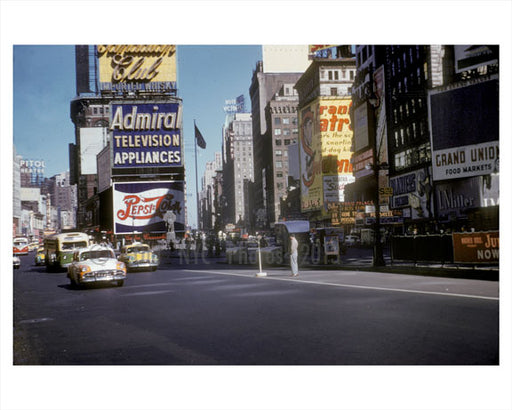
pixel 359 259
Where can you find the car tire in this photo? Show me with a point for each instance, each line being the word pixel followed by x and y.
pixel 120 283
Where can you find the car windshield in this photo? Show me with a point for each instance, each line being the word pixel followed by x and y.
pixel 95 255
pixel 138 249
pixel 72 245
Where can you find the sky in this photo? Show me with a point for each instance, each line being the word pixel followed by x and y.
pixel 44 85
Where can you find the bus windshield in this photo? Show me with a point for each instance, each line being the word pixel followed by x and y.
pixel 72 245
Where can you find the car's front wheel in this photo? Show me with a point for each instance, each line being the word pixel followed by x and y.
pixel 120 283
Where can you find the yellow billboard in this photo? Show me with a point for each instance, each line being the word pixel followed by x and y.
pixel 325 152
pixel 137 67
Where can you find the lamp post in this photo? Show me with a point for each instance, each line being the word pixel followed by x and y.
pixel 373 100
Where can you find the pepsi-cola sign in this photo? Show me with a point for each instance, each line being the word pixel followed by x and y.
pixel 141 206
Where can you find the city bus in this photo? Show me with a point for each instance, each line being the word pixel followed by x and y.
pixel 20 246
pixel 59 248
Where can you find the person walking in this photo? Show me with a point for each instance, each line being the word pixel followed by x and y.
pixel 294 246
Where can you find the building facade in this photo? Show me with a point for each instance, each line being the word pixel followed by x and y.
pixel 281 65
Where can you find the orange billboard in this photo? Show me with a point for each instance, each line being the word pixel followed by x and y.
pixel 325 152
pixel 476 247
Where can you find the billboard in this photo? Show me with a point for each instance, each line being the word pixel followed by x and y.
pixel 469 57
pixel 149 68
pixel 325 150
pixel 476 247
pixel 465 130
pixel 413 192
pixel 146 135
pixel 92 141
pixel 141 206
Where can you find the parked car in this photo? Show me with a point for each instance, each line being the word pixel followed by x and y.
pixel 40 257
pixel 16 262
pixel 352 240
pixel 139 256
pixel 96 264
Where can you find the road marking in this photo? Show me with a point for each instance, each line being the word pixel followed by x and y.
pixel 39 320
pixel 340 285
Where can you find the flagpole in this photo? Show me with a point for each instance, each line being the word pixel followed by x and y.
pixel 197 190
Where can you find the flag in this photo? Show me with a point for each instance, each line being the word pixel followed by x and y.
pixel 199 138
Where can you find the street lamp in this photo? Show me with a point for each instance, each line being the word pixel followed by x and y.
pixel 373 100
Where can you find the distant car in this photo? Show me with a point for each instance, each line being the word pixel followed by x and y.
pixel 40 257
pixel 351 240
pixel 96 264
pixel 32 246
pixel 139 256
pixel 16 262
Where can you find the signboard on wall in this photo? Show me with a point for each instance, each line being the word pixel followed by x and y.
pixel 149 68
pixel 468 57
pixel 141 206
pixel 465 130
pixel 413 191
pixel 146 135
pixel 92 141
pixel 325 151
pixel 476 247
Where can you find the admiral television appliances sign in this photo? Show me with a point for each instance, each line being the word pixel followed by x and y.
pixel 146 135
pixel 141 206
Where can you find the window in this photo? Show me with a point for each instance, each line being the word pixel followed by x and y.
pixel 277 120
pixel 286 120
pixel 351 74
pixel 286 142
pixel 277 131
pixel 278 152
pixel 334 91
pixel 286 131
pixel 279 164
pixel 278 141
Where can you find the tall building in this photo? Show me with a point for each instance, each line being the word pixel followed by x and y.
pixel 280 65
pixel 207 197
pixel 281 118
pixel 325 135
pixel 238 165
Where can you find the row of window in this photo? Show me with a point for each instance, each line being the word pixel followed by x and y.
pixel 407 109
pixel 333 75
pixel 285 120
pixel 286 131
pixel 413 156
pixel 406 135
pixel 279 141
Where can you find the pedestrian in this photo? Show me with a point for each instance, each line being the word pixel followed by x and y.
pixel 294 246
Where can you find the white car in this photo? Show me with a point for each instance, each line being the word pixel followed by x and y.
pixel 16 262
pixel 96 264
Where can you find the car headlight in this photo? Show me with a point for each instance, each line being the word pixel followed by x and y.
pixel 84 269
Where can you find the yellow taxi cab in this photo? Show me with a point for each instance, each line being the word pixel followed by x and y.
pixel 40 257
pixel 139 256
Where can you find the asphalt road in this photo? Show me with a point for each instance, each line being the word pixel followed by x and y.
pixel 217 314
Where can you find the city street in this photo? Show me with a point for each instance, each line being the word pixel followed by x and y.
pixel 211 313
